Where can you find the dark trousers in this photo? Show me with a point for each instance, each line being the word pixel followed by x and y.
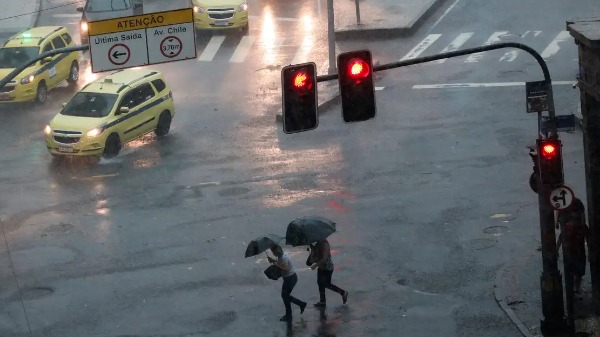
pixel 286 293
pixel 324 281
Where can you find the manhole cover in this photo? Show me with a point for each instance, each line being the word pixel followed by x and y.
pixel 479 244
pixel 233 191
pixel 496 230
pixel 37 292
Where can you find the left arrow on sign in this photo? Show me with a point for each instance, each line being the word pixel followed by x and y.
pixel 116 54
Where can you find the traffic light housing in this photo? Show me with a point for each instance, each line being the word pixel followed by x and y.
pixel 357 91
pixel 549 153
pixel 299 99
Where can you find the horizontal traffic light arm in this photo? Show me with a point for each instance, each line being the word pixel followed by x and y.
pixel 535 54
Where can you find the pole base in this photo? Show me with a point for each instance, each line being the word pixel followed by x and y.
pixel 553 327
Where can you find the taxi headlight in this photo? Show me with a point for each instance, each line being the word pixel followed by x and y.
pixel 47 130
pixel 84 26
pixel 27 79
pixel 243 7
pixel 198 9
pixel 94 132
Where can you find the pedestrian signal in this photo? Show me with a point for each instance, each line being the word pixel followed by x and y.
pixel 356 85
pixel 299 99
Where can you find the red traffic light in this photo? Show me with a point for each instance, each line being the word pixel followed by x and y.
pixel 302 80
pixel 358 68
pixel 549 150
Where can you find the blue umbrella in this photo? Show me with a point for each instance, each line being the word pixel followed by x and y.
pixel 308 229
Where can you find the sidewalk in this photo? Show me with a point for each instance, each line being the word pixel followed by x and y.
pixel 18 15
pixel 380 18
pixel 518 293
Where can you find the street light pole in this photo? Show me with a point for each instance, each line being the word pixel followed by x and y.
pixel 356 2
pixel 331 37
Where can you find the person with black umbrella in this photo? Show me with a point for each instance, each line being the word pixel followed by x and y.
pixel 290 279
pixel 320 257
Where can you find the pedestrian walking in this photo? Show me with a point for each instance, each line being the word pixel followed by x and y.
pixel 320 257
pixel 574 238
pixel 290 279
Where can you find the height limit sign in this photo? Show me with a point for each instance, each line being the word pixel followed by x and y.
pixel 135 41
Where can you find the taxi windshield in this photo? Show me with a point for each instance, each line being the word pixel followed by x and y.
pixel 13 57
pixel 108 5
pixel 90 104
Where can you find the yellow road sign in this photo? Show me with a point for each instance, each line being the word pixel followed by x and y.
pixel 141 21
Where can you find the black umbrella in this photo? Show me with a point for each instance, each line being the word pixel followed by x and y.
pixel 262 243
pixel 308 229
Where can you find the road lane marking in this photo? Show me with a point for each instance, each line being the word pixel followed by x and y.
pixel 66 15
pixel 211 48
pixel 242 49
pixel 479 85
pixel 509 56
pixel 303 50
pixel 379 88
pixel 445 13
pixel 454 45
pixel 419 48
pixel 494 38
pixel 554 47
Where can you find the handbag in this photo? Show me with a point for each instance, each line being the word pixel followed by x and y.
pixel 273 272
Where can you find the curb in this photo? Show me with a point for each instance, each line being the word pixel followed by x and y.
pixel 354 33
pixel 507 310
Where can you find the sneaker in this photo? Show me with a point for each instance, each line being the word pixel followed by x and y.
pixel 302 307
pixel 286 318
pixel 320 304
pixel 345 297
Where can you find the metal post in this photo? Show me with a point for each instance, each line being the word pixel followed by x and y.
pixel 356 2
pixel 550 279
pixel 331 37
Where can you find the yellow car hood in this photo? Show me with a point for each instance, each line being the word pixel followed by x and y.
pixel 72 123
pixel 219 3
pixel 26 72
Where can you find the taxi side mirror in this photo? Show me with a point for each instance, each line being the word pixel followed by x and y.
pixel 47 59
pixel 123 110
pixel 80 9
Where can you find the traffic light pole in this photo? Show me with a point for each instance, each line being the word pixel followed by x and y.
pixel 550 279
pixel 331 36
pixel 42 56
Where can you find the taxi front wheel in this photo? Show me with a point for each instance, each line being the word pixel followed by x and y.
pixel 41 94
pixel 73 74
pixel 112 146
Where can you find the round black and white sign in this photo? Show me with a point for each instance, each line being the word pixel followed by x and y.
pixel 561 197
pixel 119 54
pixel 171 46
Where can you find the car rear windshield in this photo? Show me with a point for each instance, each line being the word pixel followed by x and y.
pixel 13 57
pixel 108 5
pixel 90 104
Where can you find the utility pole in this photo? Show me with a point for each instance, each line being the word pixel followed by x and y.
pixel 587 37
pixel 357 4
pixel 331 36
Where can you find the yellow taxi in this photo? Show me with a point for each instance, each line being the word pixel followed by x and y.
pixel 35 81
pixel 110 112
pixel 221 14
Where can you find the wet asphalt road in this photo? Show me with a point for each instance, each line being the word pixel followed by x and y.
pixel 431 197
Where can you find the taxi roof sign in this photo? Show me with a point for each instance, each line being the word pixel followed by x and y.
pixel 128 23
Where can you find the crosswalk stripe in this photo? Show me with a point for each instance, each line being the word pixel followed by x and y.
pixel 211 48
pixel 454 45
pixel 553 47
pixel 301 55
pixel 242 49
pixel 419 48
pixel 495 37
pixel 67 15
